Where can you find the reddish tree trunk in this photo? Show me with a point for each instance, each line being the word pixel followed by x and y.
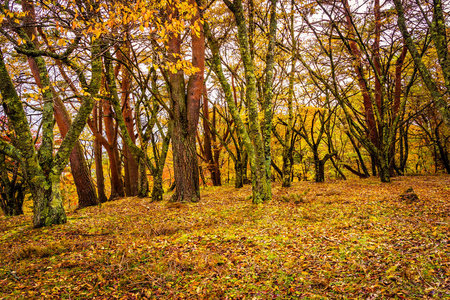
pixel 110 144
pixel 130 164
pixel 185 113
pixel 113 152
pixel 98 154
pixel 368 108
pixel 398 81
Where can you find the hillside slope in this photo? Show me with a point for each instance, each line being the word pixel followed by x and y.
pixel 342 239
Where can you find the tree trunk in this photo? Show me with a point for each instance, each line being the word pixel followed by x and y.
pixel 318 177
pixel 158 169
pixel 258 154
pixel 287 169
pixel 251 137
pixel 392 159
pixel 157 189
pixel 396 105
pixel 110 144
pixel 99 171
pixel 239 181
pixel 113 152
pixel 87 195
pixel 98 155
pixel 47 201
pixel 11 191
pixel 288 149
pixel 185 107
pixel 130 165
pixel 12 200
pixel 185 165
pixel 443 153
pixel 143 187
pixel 115 178
pixel 210 158
pixel 216 153
pixel 440 38
pixel 440 41
pixel 338 170
pixel 367 101
pixel 444 158
pixel 319 165
pixel 48 205
pixel 375 162
pixel 404 148
pixel 268 96
pixel 384 169
pixel 131 172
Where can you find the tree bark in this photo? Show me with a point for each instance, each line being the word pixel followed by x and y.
pixel 210 158
pixel 439 35
pixel 185 106
pixel 11 190
pixel 130 164
pixel 216 150
pixel 113 152
pixel 42 167
pixel 86 192
pixel 98 154
pixel 354 51
pixel 268 95
pixel 288 147
pixel 259 157
pixel 319 165
pixel 436 95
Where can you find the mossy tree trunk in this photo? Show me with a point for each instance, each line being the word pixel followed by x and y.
pixel 86 192
pixel 289 139
pixel 243 132
pixel 47 206
pixel 42 169
pixel 161 156
pixel 143 187
pixel 260 182
pixel 257 138
pixel 438 31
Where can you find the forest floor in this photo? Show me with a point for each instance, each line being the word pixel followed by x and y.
pixel 336 240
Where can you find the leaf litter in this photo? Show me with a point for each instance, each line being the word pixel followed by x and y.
pixel 354 239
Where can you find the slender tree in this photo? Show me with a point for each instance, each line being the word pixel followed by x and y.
pixel 438 29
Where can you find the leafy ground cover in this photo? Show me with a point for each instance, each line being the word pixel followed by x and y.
pixel 355 239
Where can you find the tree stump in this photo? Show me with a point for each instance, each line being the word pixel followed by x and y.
pixel 409 196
